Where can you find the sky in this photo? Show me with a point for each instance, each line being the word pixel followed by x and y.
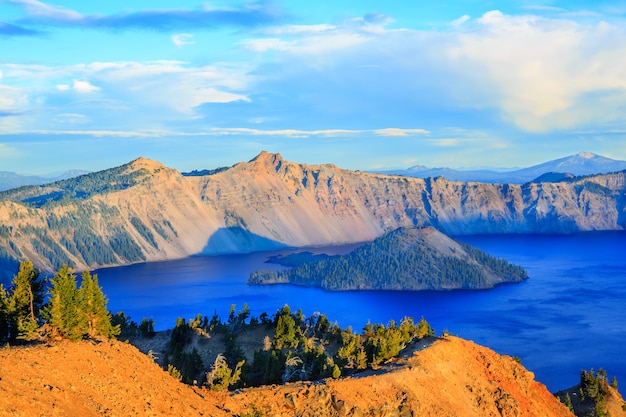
pixel 364 84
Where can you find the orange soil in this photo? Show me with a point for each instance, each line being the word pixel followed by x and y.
pixel 452 377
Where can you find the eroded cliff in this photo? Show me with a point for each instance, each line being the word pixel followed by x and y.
pixel 144 211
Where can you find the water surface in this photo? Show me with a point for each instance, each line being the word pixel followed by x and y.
pixel 569 315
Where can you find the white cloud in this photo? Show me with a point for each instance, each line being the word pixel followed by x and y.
pixel 79 86
pixel 447 143
pixel 392 131
pixel 43 10
pixel 72 118
pixel 84 87
pixel 546 74
pixel 539 74
pixel 160 87
pixel 13 99
pixel 297 29
pixel 460 20
pixel 182 39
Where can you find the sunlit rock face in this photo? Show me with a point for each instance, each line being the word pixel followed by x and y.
pixel 144 211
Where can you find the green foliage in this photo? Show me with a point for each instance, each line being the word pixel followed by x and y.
pixel 174 373
pixel 395 261
pixel 221 376
pixel 146 328
pixel 129 328
pixel 285 330
pixel 73 312
pixel 65 310
pixel 70 312
pixel 78 188
pixel 125 247
pixel 94 306
pixel 254 412
pixel 144 231
pixel 4 314
pixel 568 403
pixel 189 365
pixel 297 350
pixel 424 329
pixel 25 303
pixel 595 387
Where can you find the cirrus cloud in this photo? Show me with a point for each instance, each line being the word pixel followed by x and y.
pixel 204 17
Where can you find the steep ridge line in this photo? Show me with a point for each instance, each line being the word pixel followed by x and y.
pixel 452 377
pixel 144 211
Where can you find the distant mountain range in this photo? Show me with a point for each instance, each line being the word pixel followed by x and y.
pixel 581 164
pixel 9 180
pixel 145 211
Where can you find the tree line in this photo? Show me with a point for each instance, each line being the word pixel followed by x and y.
pixel 300 348
pixel 33 308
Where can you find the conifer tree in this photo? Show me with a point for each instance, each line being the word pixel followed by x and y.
pixel 94 303
pixel 4 314
pixel 65 309
pixel 221 376
pixel 25 302
pixel 424 329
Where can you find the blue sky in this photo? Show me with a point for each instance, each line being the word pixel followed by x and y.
pixel 361 84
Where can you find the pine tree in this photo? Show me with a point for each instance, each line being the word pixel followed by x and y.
pixel 65 309
pixel 24 304
pixel 424 329
pixel 4 314
pixel 94 303
pixel 221 376
pixel 568 402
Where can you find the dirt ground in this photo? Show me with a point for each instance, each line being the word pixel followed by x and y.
pixel 450 377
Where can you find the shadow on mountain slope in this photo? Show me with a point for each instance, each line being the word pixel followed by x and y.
pixel 238 240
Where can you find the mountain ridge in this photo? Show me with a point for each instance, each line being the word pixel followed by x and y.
pixel 145 211
pixel 450 377
pixel 580 164
pixel 10 180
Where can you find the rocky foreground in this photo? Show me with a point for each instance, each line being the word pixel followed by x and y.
pixel 451 377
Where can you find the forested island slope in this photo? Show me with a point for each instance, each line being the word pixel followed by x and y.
pixel 144 211
pixel 405 259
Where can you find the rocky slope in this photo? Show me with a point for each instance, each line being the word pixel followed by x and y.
pixel 144 211
pixel 452 377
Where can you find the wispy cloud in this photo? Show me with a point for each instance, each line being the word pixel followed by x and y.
pixel 12 99
pixel 137 93
pixel 393 131
pixel 182 39
pixel 232 131
pixel 203 17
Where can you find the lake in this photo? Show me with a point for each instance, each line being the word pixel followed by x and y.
pixel 568 316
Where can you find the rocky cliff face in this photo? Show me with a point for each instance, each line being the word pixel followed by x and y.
pixel 452 377
pixel 144 211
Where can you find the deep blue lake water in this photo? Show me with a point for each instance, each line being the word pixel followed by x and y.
pixel 569 315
